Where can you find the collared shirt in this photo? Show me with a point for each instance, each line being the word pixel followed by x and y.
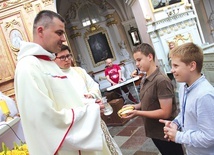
pixel 196 118
pixel 156 86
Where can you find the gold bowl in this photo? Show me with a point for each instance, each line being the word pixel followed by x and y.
pixel 124 111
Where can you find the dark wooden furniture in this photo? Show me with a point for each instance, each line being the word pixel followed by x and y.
pixel 114 119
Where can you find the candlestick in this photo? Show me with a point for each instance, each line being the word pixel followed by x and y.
pixel 148 18
pixel 188 6
pixel 5 110
pixel 4 107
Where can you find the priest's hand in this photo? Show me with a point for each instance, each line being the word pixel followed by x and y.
pixel 88 96
pixel 102 107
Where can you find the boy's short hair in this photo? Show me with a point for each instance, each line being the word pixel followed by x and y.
pixel 63 48
pixel 145 49
pixel 187 53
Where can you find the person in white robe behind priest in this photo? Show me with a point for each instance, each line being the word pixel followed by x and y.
pixel 86 86
pixel 54 118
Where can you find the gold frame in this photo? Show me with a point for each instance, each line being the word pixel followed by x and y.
pixel 100 36
pixel 22 38
pixel 163 7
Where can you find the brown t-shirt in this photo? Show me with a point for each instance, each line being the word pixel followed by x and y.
pixel 156 86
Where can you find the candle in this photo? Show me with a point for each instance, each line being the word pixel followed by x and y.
pixel 4 107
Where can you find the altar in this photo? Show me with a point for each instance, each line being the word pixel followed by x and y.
pixel 11 132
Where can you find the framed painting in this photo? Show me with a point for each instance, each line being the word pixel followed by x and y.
pixel 99 46
pixel 158 5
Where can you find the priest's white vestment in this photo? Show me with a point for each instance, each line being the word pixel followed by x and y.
pixel 82 81
pixel 54 118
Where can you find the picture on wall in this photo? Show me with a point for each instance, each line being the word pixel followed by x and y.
pixel 135 37
pixel 158 5
pixel 99 47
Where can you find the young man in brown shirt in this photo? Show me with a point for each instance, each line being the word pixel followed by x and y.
pixel 157 100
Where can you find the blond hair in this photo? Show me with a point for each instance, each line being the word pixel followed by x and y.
pixel 187 53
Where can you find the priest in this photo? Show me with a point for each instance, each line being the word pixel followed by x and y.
pixel 54 117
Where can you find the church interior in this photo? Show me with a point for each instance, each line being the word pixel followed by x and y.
pixel 101 29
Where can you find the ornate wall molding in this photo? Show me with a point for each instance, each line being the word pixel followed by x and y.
pixel 109 15
pixel 47 2
pixel 173 21
pixel 77 34
pixel 11 24
pixel 28 7
pixel 9 3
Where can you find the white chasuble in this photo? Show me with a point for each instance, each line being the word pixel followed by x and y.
pixel 53 116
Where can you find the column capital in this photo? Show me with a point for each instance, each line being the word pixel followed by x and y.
pixel 130 2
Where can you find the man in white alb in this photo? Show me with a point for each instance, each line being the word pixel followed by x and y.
pixel 54 118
